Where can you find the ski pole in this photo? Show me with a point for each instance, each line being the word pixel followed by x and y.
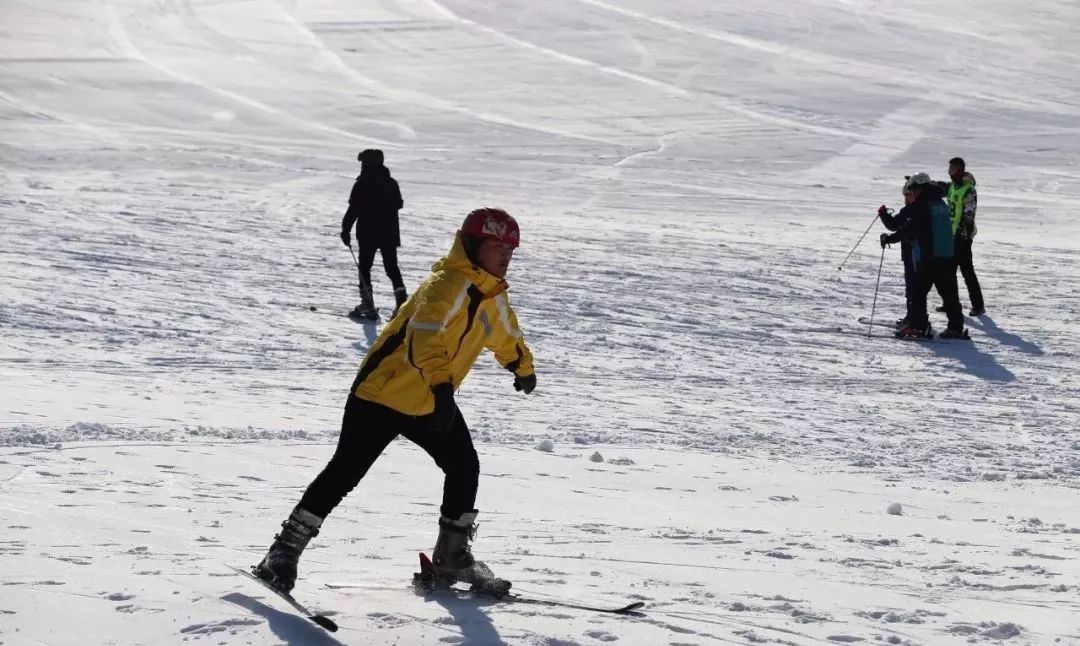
pixel 873 309
pixel 857 243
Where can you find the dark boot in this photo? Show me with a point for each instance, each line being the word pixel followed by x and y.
pixel 278 567
pixel 453 560
pixel 453 553
pixel 366 308
pixel 400 295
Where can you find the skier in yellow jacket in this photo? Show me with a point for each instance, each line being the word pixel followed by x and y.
pixel 406 387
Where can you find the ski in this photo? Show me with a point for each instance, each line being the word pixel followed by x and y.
pixel 362 316
pixel 321 620
pixel 425 582
pixel 630 609
pixel 353 314
pixel 866 321
pixel 913 338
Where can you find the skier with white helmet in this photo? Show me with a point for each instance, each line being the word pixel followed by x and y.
pixel 929 229
pixel 406 386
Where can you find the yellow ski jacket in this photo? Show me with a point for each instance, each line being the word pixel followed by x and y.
pixel 437 335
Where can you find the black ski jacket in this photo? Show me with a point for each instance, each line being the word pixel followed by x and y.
pixel 373 207
pixel 895 222
pixel 927 226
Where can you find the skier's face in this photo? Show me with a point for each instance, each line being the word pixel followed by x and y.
pixel 494 257
pixel 955 172
pixel 909 198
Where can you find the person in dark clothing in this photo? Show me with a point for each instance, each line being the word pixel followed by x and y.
pixel 373 207
pixel 929 230
pixel 894 222
pixel 963 201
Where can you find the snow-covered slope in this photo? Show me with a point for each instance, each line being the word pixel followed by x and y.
pixel 688 176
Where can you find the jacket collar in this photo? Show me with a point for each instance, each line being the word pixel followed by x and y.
pixel 457 260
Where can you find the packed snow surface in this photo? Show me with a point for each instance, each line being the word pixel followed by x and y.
pixel 713 432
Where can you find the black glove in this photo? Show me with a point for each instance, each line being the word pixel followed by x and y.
pixel 882 211
pixel 346 238
pixel 525 384
pixel 445 408
pixel 884 240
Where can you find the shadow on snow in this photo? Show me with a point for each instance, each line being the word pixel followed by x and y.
pixel 987 325
pixel 469 616
pixel 289 628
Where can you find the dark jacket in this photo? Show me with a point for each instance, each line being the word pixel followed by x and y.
pixel 895 222
pixel 373 206
pixel 926 224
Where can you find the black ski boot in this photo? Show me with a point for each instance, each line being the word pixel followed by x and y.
pixel 453 560
pixel 278 567
pixel 954 334
pixel 400 295
pixel 366 308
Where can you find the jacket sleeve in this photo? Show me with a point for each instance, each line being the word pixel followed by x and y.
pixel 508 343
pixel 351 213
pixel 893 222
pixel 427 345
pixel 900 224
pixel 398 202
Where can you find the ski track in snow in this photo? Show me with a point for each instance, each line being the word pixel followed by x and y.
pixel 723 440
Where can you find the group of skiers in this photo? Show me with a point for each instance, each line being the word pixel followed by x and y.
pixel 935 239
pixel 407 380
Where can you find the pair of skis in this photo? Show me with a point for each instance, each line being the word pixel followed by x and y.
pixel 865 321
pixel 425 582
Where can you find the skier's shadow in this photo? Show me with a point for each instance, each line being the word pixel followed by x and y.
pixel 289 628
pixel 469 616
pixel 976 362
pixel 991 329
pixel 371 332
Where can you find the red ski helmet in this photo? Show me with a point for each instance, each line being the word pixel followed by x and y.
pixel 489 223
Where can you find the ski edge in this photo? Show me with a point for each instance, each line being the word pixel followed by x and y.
pixel 630 609
pixel 863 320
pixel 319 619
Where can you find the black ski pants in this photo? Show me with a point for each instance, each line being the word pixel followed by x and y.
pixel 390 264
pixel 367 429
pixel 907 254
pixel 967 270
pixel 939 273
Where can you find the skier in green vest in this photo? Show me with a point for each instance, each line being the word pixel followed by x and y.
pixel 962 199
